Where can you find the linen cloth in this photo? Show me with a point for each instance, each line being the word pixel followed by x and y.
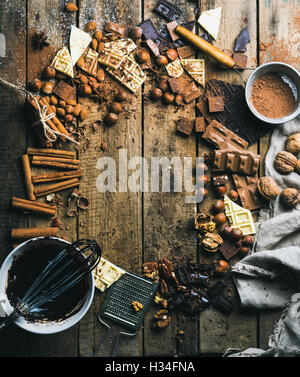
pixel 269 277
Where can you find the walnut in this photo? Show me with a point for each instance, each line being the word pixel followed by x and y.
pixel 150 270
pixel 268 188
pixel 164 290
pixel 165 269
pixel 161 319
pixel 285 162
pixel 204 223
pixel 158 299
pixel 290 197
pixel 137 306
pixel 297 168
pixel 293 143
pixel 211 242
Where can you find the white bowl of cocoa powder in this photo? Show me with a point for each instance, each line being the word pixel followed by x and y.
pixel 273 93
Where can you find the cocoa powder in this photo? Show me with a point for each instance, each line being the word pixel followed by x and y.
pixel 272 97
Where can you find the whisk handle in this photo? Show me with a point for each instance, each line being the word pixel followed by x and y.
pixel 9 319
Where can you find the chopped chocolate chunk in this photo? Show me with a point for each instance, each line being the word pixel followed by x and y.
pixel 215 104
pixel 170 11
pixel 149 30
pixel 152 47
pixel 163 44
pixel 186 51
pixel 171 26
pixel 240 60
pixel 65 91
pixel 112 27
pixel 246 187
pixel 240 44
pixel 200 125
pixel 192 96
pixel 185 126
pixel 174 84
pixel 228 249
pixel 220 180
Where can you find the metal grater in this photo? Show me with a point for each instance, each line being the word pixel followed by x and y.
pixel 118 304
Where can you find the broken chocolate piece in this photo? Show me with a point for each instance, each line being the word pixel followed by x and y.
pixel 242 162
pixel 246 187
pixel 220 180
pixel 200 125
pixel 65 91
pixel 215 104
pixel 163 44
pixel 171 26
pixel 222 138
pixel 170 11
pixel 185 126
pixel 152 47
pixel 228 249
pixel 186 51
pixel 216 289
pixel 174 84
pixel 240 60
pixel 112 27
pixel 240 44
pixel 90 64
pixel 192 95
pixel 149 30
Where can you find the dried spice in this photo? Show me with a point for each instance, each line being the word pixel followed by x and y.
pixel 39 40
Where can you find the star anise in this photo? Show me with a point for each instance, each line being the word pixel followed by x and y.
pixel 39 40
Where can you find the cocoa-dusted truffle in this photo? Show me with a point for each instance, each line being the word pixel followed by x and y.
pixel 268 188
pixel 285 162
pixel 290 197
pixel 293 143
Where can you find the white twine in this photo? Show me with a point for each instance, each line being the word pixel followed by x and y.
pixel 44 117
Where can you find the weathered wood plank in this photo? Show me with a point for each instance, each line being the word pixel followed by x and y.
pixel 279 41
pixel 50 16
pixel 114 219
pixel 168 219
pixel 218 332
pixel 13 142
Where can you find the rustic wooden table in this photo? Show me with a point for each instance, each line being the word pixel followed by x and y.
pixel 131 228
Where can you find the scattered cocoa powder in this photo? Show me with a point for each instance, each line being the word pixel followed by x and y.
pixel 272 97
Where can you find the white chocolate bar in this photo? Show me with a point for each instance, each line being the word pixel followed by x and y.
pixel 90 62
pixel 195 68
pixel 106 273
pixel 63 62
pixel 79 42
pixel 239 217
pixel 174 69
pixel 210 21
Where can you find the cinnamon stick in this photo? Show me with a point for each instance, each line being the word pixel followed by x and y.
pixel 56 159
pixel 49 189
pixel 49 122
pixel 27 233
pixel 55 162
pixel 27 176
pixel 55 120
pixel 51 152
pixel 33 207
pixel 52 177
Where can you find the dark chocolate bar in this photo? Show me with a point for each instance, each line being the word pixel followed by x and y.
pixel 170 11
pixel 228 249
pixel 163 44
pixel 242 162
pixel 236 115
pixel 149 30
pixel 246 187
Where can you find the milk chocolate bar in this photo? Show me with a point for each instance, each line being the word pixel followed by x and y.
pixel 242 162
pixel 65 91
pixel 167 10
pixel 112 27
pixel 222 138
pixel 246 187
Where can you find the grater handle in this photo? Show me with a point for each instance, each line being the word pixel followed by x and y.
pixel 117 340
pixel 102 340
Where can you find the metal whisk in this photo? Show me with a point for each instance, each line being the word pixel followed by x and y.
pixel 70 266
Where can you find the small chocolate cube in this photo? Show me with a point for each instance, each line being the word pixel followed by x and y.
pixel 65 91
pixel 186 51
pixel 240 60
pixel 215 104
pixel 185 126
pixel 174 84
pixel 199 125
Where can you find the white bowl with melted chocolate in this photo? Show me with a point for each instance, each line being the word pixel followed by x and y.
pixel 20 269
pixel 273 93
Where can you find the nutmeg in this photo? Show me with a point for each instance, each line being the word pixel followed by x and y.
pixel 172 54
pixel 293 143
pixel 168 98
pixel 142 56
pixel 285 162
pixel 136 33
pixel 48 87
pixel 110 119
pixel 268 188
pixel 290 197
pixel 156 94
pixel 49 73
pixel 162 60
pixel 115 107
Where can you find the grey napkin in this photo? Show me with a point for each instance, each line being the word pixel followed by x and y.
pixel 270 275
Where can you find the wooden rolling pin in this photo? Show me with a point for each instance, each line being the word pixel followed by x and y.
pixel 206 47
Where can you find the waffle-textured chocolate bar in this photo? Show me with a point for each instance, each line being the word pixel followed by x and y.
pixel 242 162
pixel 222 138
pixel 236 115
pixel 246 187
pixel 168 10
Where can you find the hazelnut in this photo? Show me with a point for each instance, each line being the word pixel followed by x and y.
pixel 220 266
pixel 98 35
pixel 162 60
pixel 236 234
pixel 293 143
pixel 244 250
pixel 100 75
pixel 36 85
pixel 91 26
pixel 49 73
pixel 203 178
pixel 121 95
pixel 48 87
pixel 142 56
pixel 290 197
pixel 178 100
pixel 218 206
pixel 233 195
pixel 83 114
pixel 136 33
pixel 163 84
pixel 156 94
pixel 60 111
pixel 248 240
pixel 85 90
pixel 115 107
pixel 220 218
pixel 268 188
pixel 110 119
pixel 226 231
pixel 172 54
pixel 285 162
pixel 69 109
pixel 168 98
pixel 77 109
pixel 221 190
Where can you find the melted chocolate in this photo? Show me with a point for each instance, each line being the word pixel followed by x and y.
pixel 23 272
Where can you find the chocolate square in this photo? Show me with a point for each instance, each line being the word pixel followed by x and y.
pixel 228 249
pixel 65 91
pixel 185 126
pixel 215 104
pixel 149 30
pixel 174 84
pixel 152 47
pixel 240 60
pixel 200 125
pixel 186 51
pixel 171 26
